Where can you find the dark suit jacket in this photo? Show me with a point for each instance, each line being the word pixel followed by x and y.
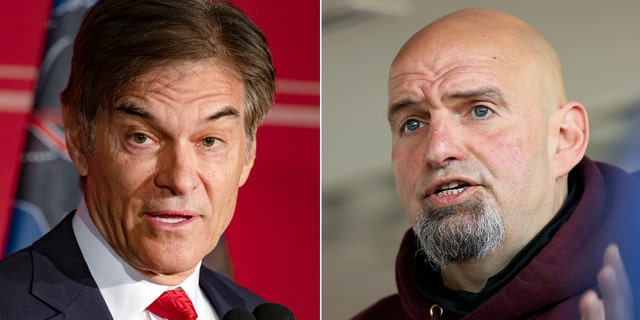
pixel 51 280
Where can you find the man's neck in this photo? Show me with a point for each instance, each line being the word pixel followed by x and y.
pixel 472 275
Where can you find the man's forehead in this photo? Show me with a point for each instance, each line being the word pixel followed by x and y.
pixel 469 32
pixel 447 65
pixel 175 71
pixel 449 80
pixel 210 74
pixel 203 85
pixel 435 56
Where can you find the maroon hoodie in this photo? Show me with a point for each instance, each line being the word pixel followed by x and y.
pixel 552 283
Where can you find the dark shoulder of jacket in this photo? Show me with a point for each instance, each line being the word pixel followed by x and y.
pixel 16 300
pixel 16 268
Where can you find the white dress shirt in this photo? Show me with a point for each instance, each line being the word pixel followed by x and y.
pixel 126 291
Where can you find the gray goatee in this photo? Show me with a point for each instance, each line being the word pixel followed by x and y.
pixel 460 232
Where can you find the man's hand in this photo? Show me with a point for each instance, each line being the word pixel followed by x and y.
pixel 616 302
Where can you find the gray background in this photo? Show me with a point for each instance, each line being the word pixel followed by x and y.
pixel 362 223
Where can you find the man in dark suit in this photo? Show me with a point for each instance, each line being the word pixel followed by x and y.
pixel 160 114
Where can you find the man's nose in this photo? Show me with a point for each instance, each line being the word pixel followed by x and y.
pixel 177 169
pixel 444 141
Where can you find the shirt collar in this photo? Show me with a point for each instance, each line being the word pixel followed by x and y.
pixel 126 291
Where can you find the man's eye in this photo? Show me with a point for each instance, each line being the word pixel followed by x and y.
pixel 209 141
pixel 481 111
pixel 412 125
pixel 139 138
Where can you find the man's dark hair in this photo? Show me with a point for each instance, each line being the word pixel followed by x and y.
pixel 119 41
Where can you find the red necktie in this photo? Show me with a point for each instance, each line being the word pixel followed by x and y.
pixel 174 305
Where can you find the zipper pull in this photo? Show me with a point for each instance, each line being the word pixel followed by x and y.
pixel 436 312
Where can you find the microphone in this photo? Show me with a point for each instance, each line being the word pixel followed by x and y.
pixel 238 314
pixel 273 311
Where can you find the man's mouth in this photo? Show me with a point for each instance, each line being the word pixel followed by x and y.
pixel 450 189
pixel 171 218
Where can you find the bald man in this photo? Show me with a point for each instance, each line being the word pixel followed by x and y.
pixel 509 218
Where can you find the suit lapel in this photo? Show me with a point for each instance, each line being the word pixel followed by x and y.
pixel 224 294
pixel 208 283
pixel 62 278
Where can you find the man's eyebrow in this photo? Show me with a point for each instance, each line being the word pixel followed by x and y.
pixel 227 111
pixel 477 94
pixel 474 94
pixel 396 107
pixel 133 109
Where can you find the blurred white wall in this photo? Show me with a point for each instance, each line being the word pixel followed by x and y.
pixel 362 223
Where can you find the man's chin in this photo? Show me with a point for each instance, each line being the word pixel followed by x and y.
pixel 171 273
pixel 457 233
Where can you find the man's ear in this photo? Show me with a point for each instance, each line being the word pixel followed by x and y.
pixel 75 136
pixel 248 164
pixel 572 137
